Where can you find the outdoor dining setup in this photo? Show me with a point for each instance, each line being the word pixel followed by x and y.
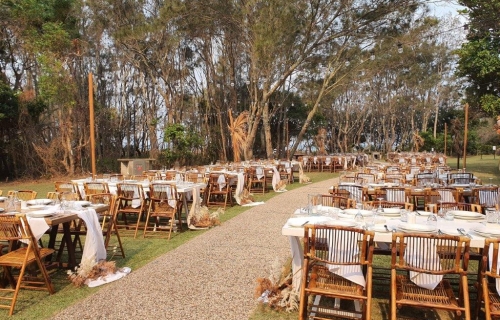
pixel 427 219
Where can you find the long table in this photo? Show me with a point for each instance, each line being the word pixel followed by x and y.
pixel 295 235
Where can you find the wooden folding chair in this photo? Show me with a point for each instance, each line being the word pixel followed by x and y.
pixel 430 258
pixel 23 195
pixel 328 251
pixel 487 279
pixel 131 201
pixel 16 228
pixel 164 207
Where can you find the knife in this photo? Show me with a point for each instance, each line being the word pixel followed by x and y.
pixel 462 232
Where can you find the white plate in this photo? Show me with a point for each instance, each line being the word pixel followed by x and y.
pixel 342 223
pixel 423 213
pixel 379 228
pixel 488 230
pixel 37 207
pixel 83 203
pixel 353 212
pixel 39 201
pixel 40 213
pixel 452 232
pixel 391 211
pixel 3 198
pixel 459 214
pixel 301 221
pixel 2 209
pixel 415 227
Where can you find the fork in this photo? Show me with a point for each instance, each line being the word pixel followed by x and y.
pixel 464 233
pixel 440 232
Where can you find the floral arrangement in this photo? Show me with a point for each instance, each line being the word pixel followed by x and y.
pixel 90 270
pixel 277 290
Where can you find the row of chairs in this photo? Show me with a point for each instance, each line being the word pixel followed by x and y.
pixel 333 251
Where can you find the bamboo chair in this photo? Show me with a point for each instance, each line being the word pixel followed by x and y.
pixel 336 201
pixel 356 193
pixel 257 182
pixel 487 278
pixel 63 186
pixel 16 228
pixel 462 206
pixel 430 255
pixel 23 195
pixel 131 202
pixel 394 194
pixel 218 194
pixel 94 187
pixel 367 177
pixel 487 197
pixel 164 207
pixel 346 248
pixel 109 219
pixel 390 204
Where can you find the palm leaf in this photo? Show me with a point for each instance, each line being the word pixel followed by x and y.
pixel 238 131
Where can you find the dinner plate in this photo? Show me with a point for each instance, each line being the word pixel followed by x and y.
pixel 301 221
pixel 83 203
pixel 379 228
pixel 459 214
pixel 342 223
pixel 3 198
pixel 391 211
pixel 2 209
pixel 40 213
pixel 488 230
pixel 37 207
pixel 423 213
pixel 353 212
pixel 39 201
pixel 415 227
pixel 451 232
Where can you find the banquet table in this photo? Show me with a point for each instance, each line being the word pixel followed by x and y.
pixel 296 233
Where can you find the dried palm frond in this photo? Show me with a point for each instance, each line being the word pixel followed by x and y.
pixel 418 141
pixel 238 131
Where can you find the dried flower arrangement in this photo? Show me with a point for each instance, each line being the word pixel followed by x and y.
pixel 277 290
pixel 89 270
pixel 203 218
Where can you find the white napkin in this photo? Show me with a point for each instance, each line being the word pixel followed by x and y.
pixel 497 280
pixel 432 262
pixel 259 172
pixel 276 178
pixel 38 227
pixel 221 181
pixel 239 187
pixel 136 202
pixel 94 242
pixel 109 278
pixel 347 251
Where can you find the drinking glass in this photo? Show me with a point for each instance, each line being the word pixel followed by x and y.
pixel 491 216
pixel 432 220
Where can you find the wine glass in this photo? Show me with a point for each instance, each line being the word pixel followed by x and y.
pixel 432 220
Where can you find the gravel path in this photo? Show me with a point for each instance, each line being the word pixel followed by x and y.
pixel 212 276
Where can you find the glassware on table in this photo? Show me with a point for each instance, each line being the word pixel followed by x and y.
pixel 404 215
pixel 358 218
pixel 432 220
pixel 449 215
pixel 491 216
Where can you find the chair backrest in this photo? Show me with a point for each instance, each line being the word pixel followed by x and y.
pixel 336 201
pixel 430 253
pixel 460 177
pixel 488 197
pixel 462 206
pixel 24 195
pixel 163 192
pixel 15 228
pixel 338 245
pixel 367 177
pixel 396 194
pixel 490 254
pixel 95 187
pixel 107 199
pixel 64 186
pixel 390 204
pixel 355 192
pixel 450 194
pixel 129 191
pixel 423 179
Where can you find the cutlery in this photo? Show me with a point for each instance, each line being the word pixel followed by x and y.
pixel 386 228
pixel 464 233
pixel 304 223
pixel 418 213
pixel 440 232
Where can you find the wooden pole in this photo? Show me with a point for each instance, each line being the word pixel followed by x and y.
pixel 465 134
pixel 445 136
pixel 92 131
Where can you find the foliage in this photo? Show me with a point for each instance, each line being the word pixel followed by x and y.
pixel 183 143
pixel 479 61
pixel 9 104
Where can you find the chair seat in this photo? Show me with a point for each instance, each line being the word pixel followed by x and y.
pixel 494 300
pixel 332 283
pixel 441 297
pixel 16 258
